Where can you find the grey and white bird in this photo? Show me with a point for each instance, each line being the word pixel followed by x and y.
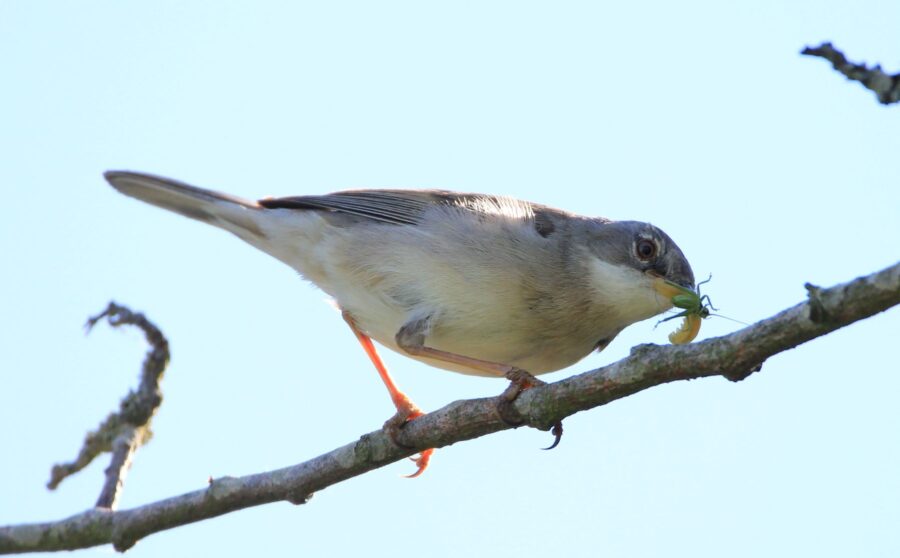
pixel 474 283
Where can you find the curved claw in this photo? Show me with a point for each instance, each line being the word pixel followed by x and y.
pixel 393 427
pixel 421 462
pixel 557 431
pixel 520 380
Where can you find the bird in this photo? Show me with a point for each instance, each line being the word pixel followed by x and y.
pixel 478 284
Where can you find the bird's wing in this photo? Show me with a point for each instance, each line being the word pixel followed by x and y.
pixel 408 207
pixel 398 207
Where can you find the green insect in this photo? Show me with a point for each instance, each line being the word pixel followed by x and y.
pixel 695 308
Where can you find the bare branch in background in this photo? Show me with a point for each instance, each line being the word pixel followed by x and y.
pixel 885 86
pixel 734 356
pixel 124 431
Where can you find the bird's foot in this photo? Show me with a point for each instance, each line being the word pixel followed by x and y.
pixel 521 380
pixel 407 411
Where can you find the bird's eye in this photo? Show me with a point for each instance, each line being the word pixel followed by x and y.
pixel 645 249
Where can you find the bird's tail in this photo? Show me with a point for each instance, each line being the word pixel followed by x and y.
pixel 239 216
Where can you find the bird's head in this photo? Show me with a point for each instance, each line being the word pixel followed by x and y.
pixel 629 263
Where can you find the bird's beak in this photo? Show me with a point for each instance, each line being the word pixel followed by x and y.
pixel 667 289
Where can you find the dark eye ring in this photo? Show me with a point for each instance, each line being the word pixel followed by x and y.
pixel 645 249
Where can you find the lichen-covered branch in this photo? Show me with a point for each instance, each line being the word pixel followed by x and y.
pixel 734 356
pixel 885 86
pixel 124 431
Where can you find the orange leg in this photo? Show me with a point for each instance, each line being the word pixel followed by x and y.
pixel 491 368
pixel 521 379
pixel 406 409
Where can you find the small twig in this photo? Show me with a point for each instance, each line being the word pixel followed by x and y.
pixel 885 86
pixel 734 356
pixel 123 448
pixel 124 431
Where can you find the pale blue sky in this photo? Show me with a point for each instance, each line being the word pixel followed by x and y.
pixel 766 167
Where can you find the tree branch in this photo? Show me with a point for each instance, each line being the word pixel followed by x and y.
pixel 885 86
pixel 124 431
pixel 734 356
